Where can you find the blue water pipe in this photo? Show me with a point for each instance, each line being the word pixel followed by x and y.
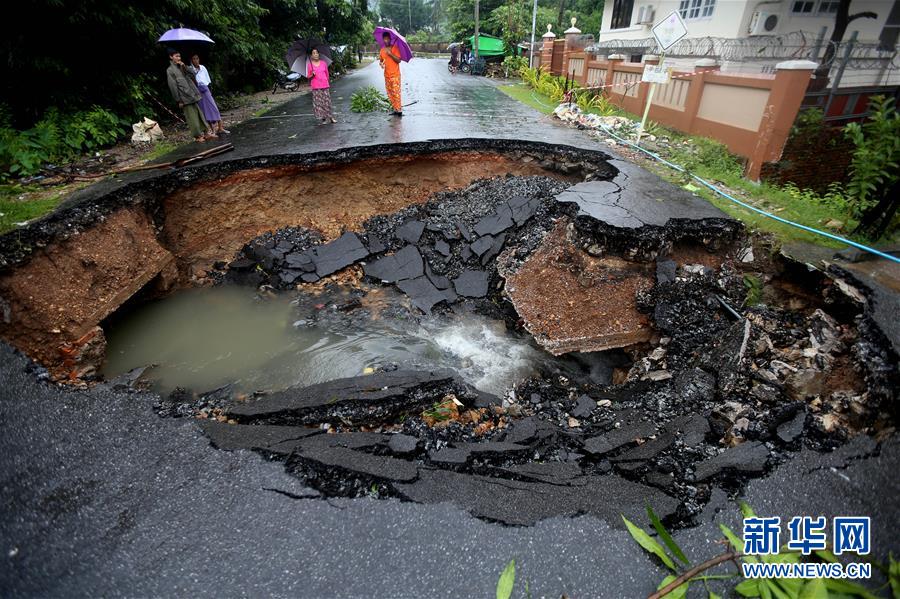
pixel 715 189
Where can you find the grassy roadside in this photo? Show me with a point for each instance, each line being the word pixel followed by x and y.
pixel 710 164
pixel 14 209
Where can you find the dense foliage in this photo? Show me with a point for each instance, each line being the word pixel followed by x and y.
pixel 409 16
pixel 55 138
pixel 76 73
pixel 75 54
pixel 875 166
pixel 511 19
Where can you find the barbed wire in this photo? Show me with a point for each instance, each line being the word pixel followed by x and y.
pixel 797 45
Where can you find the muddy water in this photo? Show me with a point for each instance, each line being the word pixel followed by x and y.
pixel 205 338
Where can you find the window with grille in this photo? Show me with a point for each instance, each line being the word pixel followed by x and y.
pixel 803 7
pixel 621 16
pixel 696 9
pixel 828 7
pixel 891 30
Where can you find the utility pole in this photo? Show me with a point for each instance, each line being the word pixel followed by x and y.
pixel 533 25
pixel 409 12
pixel 476 28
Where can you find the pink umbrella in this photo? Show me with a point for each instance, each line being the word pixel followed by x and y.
pixel 406 53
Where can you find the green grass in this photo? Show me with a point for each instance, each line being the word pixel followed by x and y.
pixel 160 149
pixel 713 163
pixel 13 210
pixel 526 95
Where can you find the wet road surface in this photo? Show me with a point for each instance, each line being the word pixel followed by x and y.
pixel 100 497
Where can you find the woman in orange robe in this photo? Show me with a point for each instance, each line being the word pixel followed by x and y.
pixel 389 57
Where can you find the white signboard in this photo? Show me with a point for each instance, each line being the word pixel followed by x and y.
pixel 669 30
pixel 655 73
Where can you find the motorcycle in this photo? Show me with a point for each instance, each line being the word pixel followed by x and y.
pixel 289 82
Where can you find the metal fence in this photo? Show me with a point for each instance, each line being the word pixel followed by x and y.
pixel 798 45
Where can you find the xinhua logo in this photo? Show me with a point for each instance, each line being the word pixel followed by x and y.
pixel 807 535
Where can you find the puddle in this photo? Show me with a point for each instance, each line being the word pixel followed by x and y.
pixel 205 338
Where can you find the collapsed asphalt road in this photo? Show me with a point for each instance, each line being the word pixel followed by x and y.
pixel 103 497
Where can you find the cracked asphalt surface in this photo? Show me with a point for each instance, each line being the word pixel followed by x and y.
pixel 101 497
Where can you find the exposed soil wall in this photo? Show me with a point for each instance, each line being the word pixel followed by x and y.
pixel 210 221
pixel 61 276
pixel 70 286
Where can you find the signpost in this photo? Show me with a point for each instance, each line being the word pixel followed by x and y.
pixel 667 32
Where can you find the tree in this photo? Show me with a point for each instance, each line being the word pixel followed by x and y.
pixel 842 20
pixel 73 54
pixel 406 16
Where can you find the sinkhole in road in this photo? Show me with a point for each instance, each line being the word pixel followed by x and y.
pixel 382 321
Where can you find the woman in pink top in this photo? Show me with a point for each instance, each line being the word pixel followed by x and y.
pixel 317 73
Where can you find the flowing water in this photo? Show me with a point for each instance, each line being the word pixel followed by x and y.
pixel 204 338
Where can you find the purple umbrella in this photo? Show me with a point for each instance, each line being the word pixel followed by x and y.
pixel 183 34
pixel 406 53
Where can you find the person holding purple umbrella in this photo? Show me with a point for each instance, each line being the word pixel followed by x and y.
pixel 389 59
pixel 186 95
pixel 317 73
pixel 207 104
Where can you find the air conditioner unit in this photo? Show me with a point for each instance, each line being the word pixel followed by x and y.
pixel 645 15
pixel 763 23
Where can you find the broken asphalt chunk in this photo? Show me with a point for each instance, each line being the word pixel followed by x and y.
pixel 747 458
pixel 340 253
pixel 512 501
pixel 278 440
pixel 471 283
pixel 337 462
pixel 619 437
pixel 405 264
pixel 359 399
pixel 423 294
pixel 442 247
pixel 410 231
pixel 523 208
pixel 495 223
pixel 482 245
pixel 583 407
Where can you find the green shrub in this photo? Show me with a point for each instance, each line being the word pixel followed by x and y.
pixel 55 138
pixel 368 99
pixel 874 166
pixel 513 65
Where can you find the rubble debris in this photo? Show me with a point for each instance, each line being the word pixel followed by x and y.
pixel 617 438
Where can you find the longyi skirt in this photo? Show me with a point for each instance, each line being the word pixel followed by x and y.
pixel 208 106
pixel 322 103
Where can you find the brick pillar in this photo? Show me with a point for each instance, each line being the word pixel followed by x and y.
pixel 547 41
pixel 791 80
pixel 571 34
pixel 611 61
